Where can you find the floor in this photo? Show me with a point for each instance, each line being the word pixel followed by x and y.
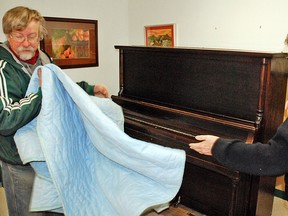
pixel 172 211
pixel 3 207
pixel 280 206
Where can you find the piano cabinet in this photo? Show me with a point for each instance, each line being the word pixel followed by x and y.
pixel 169 95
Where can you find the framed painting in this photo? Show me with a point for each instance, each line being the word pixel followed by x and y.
pixel 160 35
pixel 71 43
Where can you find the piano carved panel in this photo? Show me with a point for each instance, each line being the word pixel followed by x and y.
pixel 169 95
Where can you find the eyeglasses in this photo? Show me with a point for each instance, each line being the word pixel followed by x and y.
pixel 21 38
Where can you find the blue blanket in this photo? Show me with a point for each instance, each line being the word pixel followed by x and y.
pixel 85 164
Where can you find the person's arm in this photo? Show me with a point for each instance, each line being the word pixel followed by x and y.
pixel 257 158
pixel 89 89
pixel 97 90
pixel 14 115
pixel 16 110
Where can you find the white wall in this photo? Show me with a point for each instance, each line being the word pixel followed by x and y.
pixel 234 24
pixel 112 16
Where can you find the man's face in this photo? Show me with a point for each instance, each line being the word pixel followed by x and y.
pixel 25 43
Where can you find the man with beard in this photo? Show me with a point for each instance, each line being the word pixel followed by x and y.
pixel 19 56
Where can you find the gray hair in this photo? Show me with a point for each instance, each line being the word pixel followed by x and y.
pixel 18 19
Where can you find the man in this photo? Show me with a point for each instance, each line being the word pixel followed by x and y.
pixel 19 56
pixel 269 159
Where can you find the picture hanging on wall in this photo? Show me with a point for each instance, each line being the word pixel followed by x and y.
pixel 71 42
pixel 160 35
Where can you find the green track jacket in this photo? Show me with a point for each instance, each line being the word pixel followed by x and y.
pixel 16 110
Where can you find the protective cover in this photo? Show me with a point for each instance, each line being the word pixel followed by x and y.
pixel 85 164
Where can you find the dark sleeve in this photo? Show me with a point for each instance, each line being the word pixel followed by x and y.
pixel 89 89
pixel 14 115
pixel 258 159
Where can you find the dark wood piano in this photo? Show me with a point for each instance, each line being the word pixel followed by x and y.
pixel 169 95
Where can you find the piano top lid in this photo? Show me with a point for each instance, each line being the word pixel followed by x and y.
pixel 204 49
pixel 222 83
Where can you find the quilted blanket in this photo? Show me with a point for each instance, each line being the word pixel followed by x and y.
pixel 85 164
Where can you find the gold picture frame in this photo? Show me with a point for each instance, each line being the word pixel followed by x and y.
pixel 160 35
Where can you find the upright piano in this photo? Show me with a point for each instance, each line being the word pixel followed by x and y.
pixel 169 95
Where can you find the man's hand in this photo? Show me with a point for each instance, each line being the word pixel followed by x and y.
pixel 206 144
pixel 101 91
pixel 40 76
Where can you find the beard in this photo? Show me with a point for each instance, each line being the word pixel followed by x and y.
pixel 26 53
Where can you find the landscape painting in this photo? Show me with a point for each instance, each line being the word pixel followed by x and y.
pixel 160 35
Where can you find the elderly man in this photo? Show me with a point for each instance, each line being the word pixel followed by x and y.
pixel 19 56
